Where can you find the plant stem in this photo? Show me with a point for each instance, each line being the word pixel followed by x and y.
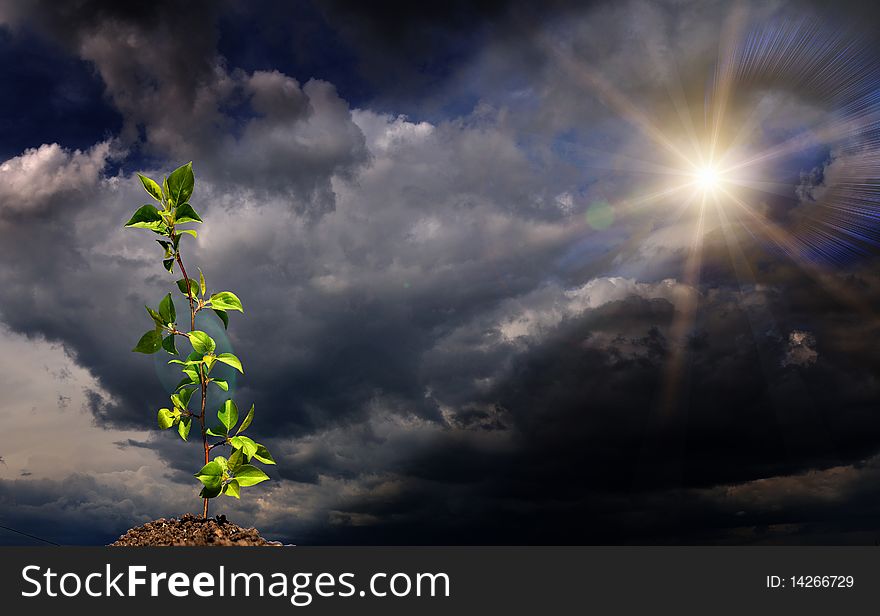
pixel 203 379
pixel 204 382
pixel 192 307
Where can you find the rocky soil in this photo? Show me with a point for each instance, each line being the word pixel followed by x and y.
pixel 192 530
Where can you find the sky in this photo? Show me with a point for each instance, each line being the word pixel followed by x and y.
pixel 568 273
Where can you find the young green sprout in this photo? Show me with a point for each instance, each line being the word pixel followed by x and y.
pixel 221 475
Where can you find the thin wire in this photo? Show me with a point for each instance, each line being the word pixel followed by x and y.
pixel 29 535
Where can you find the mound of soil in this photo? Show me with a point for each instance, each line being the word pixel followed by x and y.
pixel 191 530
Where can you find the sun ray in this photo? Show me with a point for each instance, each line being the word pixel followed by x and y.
pixel 803 431
pixel 668 422
pixel 796 250
pixel 682 322
pixel 633 205
pixel 832 132
pixel 615 99
pixel 631 163
pixel 676 92
pixel 770 187
pixel 724 77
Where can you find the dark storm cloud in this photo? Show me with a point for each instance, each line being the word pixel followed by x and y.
pixel 161 70
pixel 408 49
pixel 80 509
pixel 425 364
pixel 584 421
pixel 152 65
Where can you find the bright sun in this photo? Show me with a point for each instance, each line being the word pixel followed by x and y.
pixel 707 178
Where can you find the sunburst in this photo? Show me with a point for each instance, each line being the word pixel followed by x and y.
pixel 721 167
pixel 708 178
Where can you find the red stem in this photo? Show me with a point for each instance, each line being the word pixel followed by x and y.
pixel 203 381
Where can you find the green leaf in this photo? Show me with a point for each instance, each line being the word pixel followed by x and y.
pixel 184 426
pixel 262 454
pixel 166 419
pixel 165 188
pixel 236 459
pixel 191 232
pixel 149 343
pixel 216 431
pixel 232 489
pixel 192 373
pixel 193 287
pixel 210 474
pixel 247 421
pixel 211 492
pixel 189 362
pixel 185 396
pixel 221 384
pixel 230 360
pixel 249 475
pixel 155 316
pixel 181 183
pixel 166 246
pixel 185 382
pixel 247 445
pixel 168 344
pixel 146 217
pixel 166 309
pixel 169 265
pixel 225 300
pixel 201 342
pixel 228 414
pixel 223 317
pixel 154 190
pixel 202 286
pixel 185 213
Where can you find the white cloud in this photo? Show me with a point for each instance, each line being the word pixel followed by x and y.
pixel 29 180
pixel 552 307
pixel 385 132
pixel 49 425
